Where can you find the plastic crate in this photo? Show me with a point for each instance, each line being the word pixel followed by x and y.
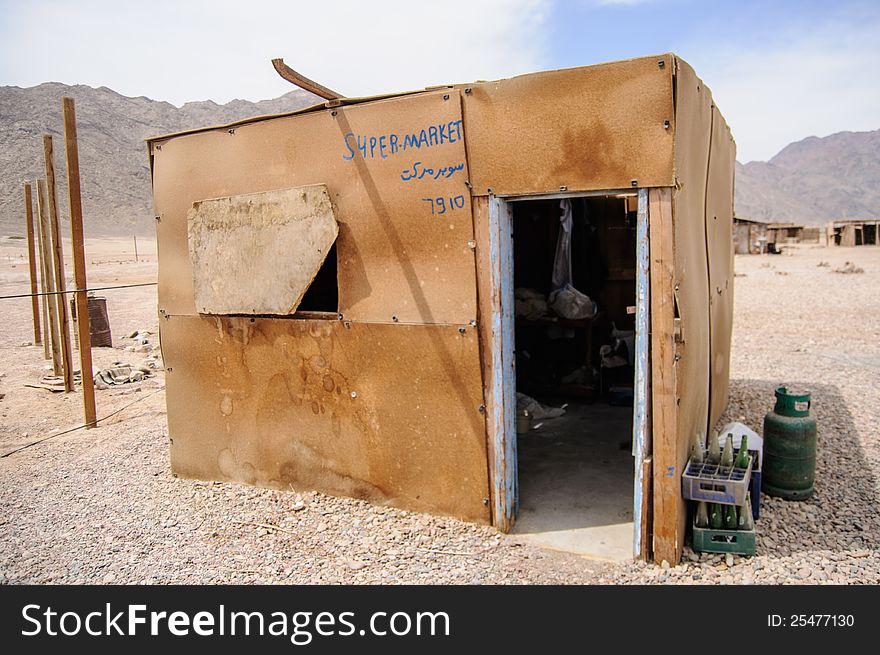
pixel 716 484
pixel 739 542
pixel 755 484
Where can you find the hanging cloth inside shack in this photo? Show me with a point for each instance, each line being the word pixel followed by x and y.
pixel 565 300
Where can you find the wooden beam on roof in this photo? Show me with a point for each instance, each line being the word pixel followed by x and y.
pixel 303 82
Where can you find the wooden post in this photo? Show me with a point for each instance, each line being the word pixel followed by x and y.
pixel 32 260
pixel 58 262
pixel 44 299
pixel 669 508
pixel 79 260
pixel 49 306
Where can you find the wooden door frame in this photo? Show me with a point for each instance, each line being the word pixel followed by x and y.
pixel 503 451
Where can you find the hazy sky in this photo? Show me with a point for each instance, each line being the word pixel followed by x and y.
pixel 779 71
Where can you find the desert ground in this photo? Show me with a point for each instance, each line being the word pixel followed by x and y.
pixel 101 505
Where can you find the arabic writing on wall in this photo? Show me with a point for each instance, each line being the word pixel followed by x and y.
pixel 418 171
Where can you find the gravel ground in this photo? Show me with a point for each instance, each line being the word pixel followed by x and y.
pixel 101 506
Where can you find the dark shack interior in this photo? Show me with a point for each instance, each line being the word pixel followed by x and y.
pixel 576 468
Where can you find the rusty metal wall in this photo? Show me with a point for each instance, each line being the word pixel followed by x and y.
pixel 401 255
pixel 719 246
pixel 388 413
pixel 591 128
pixel 238 408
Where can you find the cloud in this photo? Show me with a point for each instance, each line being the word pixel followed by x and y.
pixel 812 81
pixel 181 51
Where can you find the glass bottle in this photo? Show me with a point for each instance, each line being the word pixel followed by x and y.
pixel 742 457
pixel 697 450
pixel 745 520
pixel 730 518
pixel 714 456
pixel 702 520
pixel 716 522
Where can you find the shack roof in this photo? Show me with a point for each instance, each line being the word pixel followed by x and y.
pixel 343 102
pixel 758 221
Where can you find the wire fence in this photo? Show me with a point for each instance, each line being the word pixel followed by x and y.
pixel 80 427
pixel 58 293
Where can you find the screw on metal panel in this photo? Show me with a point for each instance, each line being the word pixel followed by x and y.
pixel 347 325
pixel 718 289
pixel 462 330
pixel 333 113
pixel 339 316
pixel 473 322
pixel 168 370
pixel 677 286
pixel 231 130
pixel 467 90
pixel 171 440
pixel 446 96
pixel 482 409
pixel 472 244
pixel 394 318
pixel 158 218
pixel 634 182
pixel 661 64
pixel 677 357
pixel 666 125
pixel 354 394
pixel 158 146
pixel 563 188
pixel 489 190
pixel 485 501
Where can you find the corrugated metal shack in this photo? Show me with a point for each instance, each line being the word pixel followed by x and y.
pixel 336 284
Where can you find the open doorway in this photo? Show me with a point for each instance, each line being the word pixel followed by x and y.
pixel 576 357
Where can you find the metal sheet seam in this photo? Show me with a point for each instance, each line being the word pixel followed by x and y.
pixel 708 271
pixel 340 317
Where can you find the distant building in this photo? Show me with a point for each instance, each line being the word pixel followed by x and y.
pixel 853 232
pixel 749 236
pixel 755 236
pixel 782 234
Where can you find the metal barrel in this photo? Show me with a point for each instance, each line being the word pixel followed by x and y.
pixel 99 322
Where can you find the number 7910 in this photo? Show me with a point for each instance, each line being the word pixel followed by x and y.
pixel 441 204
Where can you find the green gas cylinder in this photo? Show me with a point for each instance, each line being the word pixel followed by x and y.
pixel 789 466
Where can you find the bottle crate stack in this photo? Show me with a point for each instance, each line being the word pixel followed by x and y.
pixel 720 485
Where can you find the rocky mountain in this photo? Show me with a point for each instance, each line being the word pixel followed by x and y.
pixel 814 181
pixel 113 156
pixel 811 181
